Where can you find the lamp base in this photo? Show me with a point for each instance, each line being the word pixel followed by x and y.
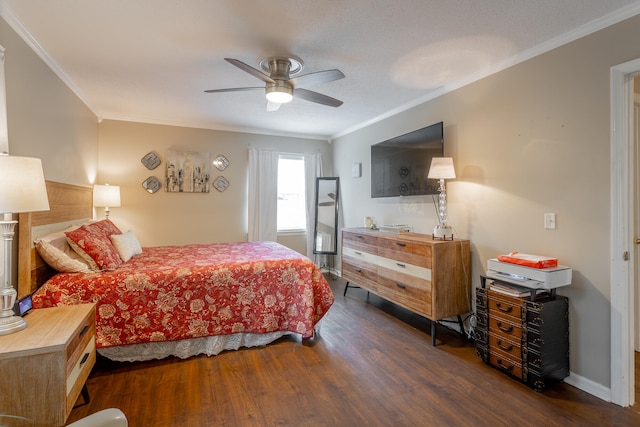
pixel 9 325
pixel 443 232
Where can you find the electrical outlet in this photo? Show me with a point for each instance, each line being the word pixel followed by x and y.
pixel 550 221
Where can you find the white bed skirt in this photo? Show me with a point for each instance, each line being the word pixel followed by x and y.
pixel 187 348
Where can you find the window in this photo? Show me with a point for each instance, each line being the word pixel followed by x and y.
pixel 292 215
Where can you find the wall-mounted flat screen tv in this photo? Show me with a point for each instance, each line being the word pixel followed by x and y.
pixel 399 166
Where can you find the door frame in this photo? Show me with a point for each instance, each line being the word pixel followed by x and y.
pixel 622 226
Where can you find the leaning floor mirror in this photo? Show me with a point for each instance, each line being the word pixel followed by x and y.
pixel 325 234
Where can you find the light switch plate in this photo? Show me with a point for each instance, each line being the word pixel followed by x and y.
pixel 550 221
pixel 356 170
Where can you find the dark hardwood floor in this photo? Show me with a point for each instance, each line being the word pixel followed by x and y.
pixel 372 364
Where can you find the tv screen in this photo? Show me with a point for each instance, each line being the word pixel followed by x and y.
pixel 399 166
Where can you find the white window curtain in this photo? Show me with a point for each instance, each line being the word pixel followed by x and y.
pixel 263 195
pixel 312 169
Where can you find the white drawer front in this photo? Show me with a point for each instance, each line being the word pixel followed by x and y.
pixel 410 269
pixel 80 364
pixel 364 256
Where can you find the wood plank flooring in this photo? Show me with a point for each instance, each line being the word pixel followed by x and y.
pixel 372 364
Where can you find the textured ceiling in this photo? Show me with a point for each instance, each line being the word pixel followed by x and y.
pixel 151 60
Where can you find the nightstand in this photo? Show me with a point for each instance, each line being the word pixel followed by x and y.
pixel 44 367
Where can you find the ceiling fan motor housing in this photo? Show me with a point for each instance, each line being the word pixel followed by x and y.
pixel 280 91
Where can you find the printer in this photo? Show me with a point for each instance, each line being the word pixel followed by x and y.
pixel 535 278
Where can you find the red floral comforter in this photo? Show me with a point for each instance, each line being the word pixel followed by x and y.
pixel 171 293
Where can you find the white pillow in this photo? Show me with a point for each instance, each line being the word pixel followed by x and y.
pixel 126 244
pixel 62 261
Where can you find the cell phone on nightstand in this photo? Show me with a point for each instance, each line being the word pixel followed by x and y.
pixel 23 306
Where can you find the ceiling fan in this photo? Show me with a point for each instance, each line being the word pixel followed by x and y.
pixel 282 81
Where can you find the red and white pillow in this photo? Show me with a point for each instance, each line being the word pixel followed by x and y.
pixel 91 247
pixel 93 243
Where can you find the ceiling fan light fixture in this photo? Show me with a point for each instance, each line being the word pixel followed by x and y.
pixel 279 94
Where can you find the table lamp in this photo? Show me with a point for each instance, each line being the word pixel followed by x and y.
pixel 22 189
pixel 441 169
pixel 106 196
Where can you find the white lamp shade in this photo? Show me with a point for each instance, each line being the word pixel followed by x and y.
pixel 22 186
pixel 106 196
pixel 442 168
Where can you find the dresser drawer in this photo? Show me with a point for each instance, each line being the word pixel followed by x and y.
pixel 359 274
pixel 361 241
pixel 505 307
pixel 506 329
pixel 360 258
pixel 408 252
pixel 499 342
pixel 505 363
pixel 407 291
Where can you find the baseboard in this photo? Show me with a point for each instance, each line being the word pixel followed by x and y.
pixel 591 387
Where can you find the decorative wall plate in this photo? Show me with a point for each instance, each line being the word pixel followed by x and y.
pixel 221 162
pixel 151 184
pixel 151 161
pixel 221 183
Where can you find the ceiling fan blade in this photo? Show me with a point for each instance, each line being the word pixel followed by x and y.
pixel 317 77
pixel 273 106
pixel 316 97
pixel 233 89
pixel 249 69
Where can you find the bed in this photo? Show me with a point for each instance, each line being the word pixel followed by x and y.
pixel 172 300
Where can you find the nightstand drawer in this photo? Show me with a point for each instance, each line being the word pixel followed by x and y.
pixel 84 333
pixel 80 372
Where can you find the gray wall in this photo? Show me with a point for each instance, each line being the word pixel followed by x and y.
pixel 528 140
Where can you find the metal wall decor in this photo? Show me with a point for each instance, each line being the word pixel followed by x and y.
pixel 221 162
pixel 221 183
pixel 151 160
pixel 151 184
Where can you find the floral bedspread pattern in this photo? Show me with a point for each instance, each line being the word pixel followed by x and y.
pixel 171 293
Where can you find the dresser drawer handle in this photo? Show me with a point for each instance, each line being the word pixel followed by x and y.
pixel 358 236
pixel 358 252
pixel 84 358
pixel 402 245
pixel 401 286
pixel 358 270
pixel 507 347
pixel 501 365
pixel 504 309
pixel 84 330
pixel 401 265
pixel 508 329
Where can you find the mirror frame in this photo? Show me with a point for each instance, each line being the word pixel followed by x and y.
pixel 335 216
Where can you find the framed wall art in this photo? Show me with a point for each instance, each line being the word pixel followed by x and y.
pixel 188 172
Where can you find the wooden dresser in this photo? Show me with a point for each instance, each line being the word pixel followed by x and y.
pixel 45 366
pixel 526 337
pixel 429 277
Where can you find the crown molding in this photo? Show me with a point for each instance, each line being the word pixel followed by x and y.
pixel 10 17
pixel 582 31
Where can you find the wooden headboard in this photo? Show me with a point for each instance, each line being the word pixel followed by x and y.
pixel 67 203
